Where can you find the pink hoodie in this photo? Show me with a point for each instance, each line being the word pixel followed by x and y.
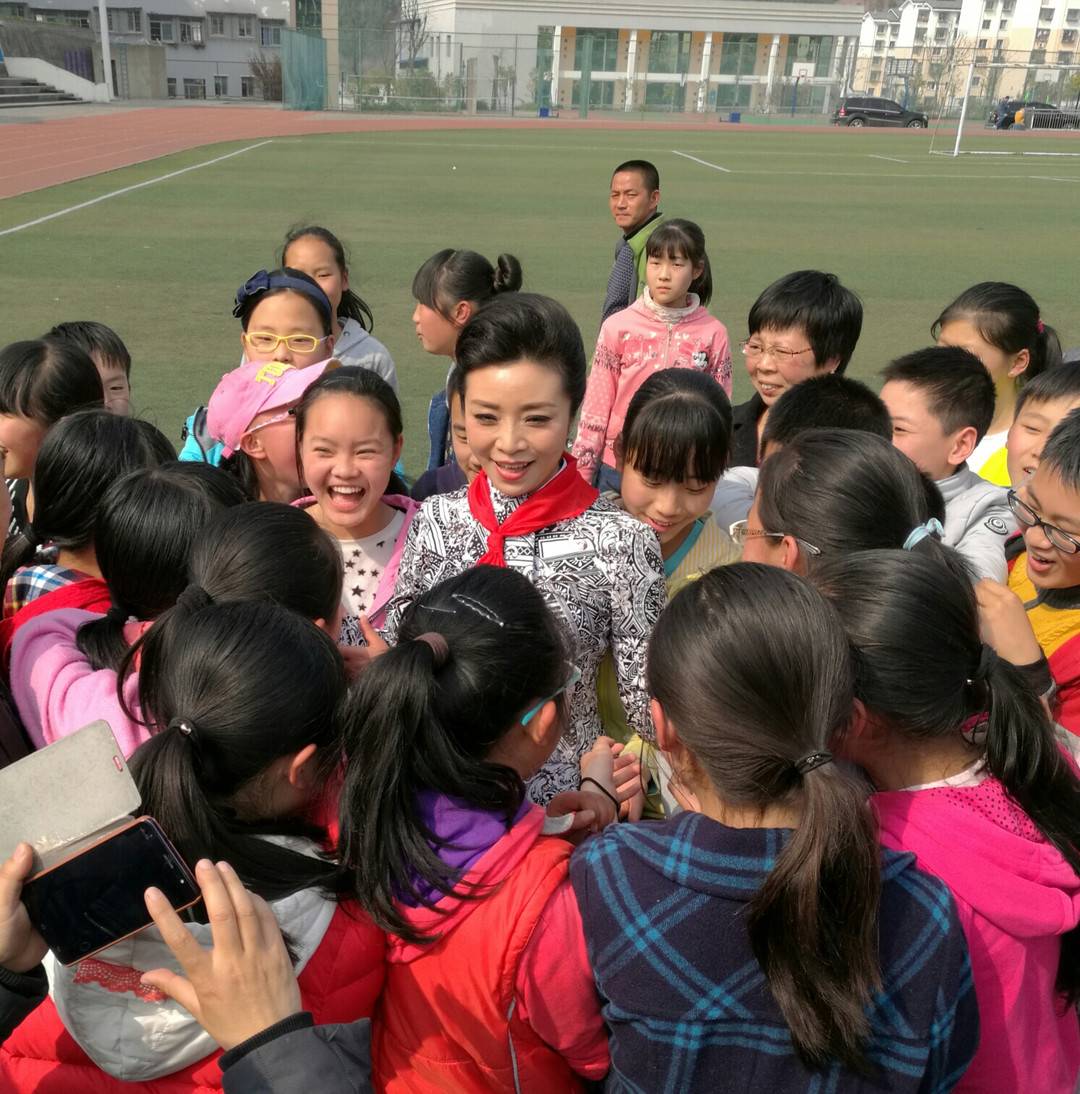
pixel 633 344
pixel 57 692
pixel 1015 897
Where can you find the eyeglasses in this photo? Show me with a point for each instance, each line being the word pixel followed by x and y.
pixel 754 349
pixel 275 420
pixel 1059 539
pixel 532 712
pixel 262 341
pixel 741 531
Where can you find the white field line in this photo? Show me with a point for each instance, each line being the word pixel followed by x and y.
pixel 704 163
pixel 1055 178
pixel 891 159
pixel 128 189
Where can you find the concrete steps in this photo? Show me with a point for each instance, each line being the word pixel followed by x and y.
pixel 16 92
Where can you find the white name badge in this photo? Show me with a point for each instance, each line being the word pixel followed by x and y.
pixel 551 548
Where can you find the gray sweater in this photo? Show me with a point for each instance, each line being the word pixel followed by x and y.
pixel 977 521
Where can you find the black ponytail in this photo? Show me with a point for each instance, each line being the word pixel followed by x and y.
pixel 451 276
pixel 923 670
pixel 79 458
pixel 144 531
pixel 751 666
pixel 260 550
pixel 425 715
pixel 243 685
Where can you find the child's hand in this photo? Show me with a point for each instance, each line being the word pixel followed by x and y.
pixel 590 809
pixel 246 983
pixel 357 658
pixel 629 788
pixel 1004 624
pixel 21 947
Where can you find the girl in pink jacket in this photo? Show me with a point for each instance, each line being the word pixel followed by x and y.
pixel 668 327
pixel 971 779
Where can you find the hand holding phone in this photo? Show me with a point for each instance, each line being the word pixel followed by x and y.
pixel 246 982
pixel 21 947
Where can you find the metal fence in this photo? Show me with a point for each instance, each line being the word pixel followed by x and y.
pixel 410 68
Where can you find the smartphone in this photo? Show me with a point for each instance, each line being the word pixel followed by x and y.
pixel 95 898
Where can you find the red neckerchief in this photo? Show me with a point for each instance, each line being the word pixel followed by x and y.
pixel 91 594
pixel 566 495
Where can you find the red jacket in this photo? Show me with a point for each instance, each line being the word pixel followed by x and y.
pixel 340 983
pixel 448 1017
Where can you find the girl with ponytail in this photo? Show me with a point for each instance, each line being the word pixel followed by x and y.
pixel 1001 324
pixel 81 456
pixel 487 979
pixel 243 706
pixel 760 935
pixel 971 778
pixel 64 663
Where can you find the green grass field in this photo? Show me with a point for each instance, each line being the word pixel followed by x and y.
pixel 161 264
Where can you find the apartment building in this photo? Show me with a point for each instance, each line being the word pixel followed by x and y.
pixel 209 43
pixel 923 48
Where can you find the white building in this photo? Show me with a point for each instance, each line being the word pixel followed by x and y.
pixel 209 43
pixel 689 56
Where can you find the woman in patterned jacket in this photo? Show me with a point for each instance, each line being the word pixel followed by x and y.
pixel 523 369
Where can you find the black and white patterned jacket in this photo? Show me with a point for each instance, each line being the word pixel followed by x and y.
pixel 600 572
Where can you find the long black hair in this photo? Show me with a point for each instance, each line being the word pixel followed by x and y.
pixel 260 550
pixel 352 306
pixel 678 426
pixel 844 490
pixel 418 721
pixel 525 326
pixel 241 685
pixel 922 670
pixel 450 276
pixel 78 460
pixel 46 378
pixel 751 665
pixel 683 239
pixel 145 528
pixel 1008 318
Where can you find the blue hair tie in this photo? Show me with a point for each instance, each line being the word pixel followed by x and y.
pixel 921 531
pixel 264 281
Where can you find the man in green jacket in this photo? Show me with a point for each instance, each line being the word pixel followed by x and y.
pixel 634 201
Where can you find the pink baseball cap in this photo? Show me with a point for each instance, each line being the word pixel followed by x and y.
pixel 252 389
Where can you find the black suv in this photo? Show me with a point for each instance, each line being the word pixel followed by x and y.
pixel 1036 115
pixel 857 112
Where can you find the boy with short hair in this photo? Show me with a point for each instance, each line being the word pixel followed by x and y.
pixel 1040 405
pixel 1045 568
pixel 634 198
pixel 941 401
pixel 828 401
pixel 106 349
pixel 806 324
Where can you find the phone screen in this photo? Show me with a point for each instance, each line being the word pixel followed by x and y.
pixel 96 898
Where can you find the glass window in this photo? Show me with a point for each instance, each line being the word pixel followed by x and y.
pixel 601 93
pixel 170 83
pixel 669 51
pixel 1046 15
pixel 309 14
pixel 737 54
pixel 194 89
pixel 191 31
pixel 247 87
pixel 217 26
pixel 245 26
pixel 270 34
pixel 221 86
pixel 810 49
pixel 605 50
pixel 162 30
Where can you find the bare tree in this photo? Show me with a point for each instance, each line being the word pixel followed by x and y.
pixel 412 32
pixel 266 68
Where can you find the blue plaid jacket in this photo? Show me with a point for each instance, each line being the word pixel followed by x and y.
pixel 687 1005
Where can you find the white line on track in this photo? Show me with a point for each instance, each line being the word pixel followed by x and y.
pixel 128 189
pixel 704 163
pixel 891 159
pixel 1055 178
